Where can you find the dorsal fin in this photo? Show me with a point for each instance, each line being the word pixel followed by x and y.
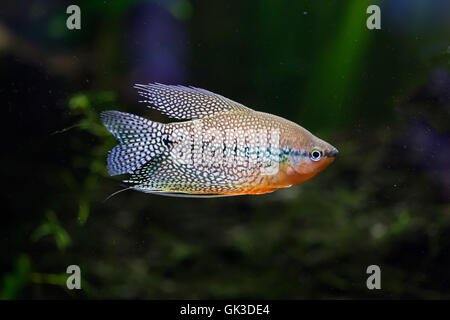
pixel 181 102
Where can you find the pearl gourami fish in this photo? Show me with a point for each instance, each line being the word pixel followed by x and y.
pixel 219 148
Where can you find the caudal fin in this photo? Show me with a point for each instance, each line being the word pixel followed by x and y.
pixel 140 140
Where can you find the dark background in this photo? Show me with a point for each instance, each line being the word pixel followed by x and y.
pixel 382 97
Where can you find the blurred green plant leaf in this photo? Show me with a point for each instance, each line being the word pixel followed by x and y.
pixel 14 282
pixel 54 228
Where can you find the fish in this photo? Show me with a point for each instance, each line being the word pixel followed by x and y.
pixel 216 147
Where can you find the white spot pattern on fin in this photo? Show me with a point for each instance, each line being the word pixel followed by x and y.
pixel 181 102
pixel 140 140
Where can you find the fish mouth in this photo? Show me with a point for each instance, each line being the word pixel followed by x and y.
pixel 332 154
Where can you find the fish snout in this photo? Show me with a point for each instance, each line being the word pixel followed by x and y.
pixel 332 153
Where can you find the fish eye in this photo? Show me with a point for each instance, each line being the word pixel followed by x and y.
pixel 315 155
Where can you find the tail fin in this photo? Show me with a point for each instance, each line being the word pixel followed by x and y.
pixel 140 140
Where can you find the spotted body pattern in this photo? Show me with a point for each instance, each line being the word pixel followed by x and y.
pixel 223 147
